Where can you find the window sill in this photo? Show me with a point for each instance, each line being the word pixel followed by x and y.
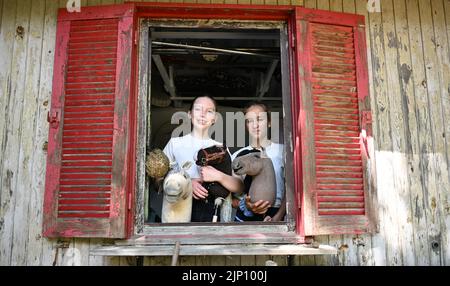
pixel 222 233
pixel 230 249
pixel 222 239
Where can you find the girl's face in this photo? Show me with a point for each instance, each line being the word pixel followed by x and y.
pixel 257 122
pixel 203 113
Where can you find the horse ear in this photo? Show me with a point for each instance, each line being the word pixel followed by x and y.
pixel 186 165
pixel 172 165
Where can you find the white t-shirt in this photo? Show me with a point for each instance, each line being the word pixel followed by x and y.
pixel 275 152
pixel 183 149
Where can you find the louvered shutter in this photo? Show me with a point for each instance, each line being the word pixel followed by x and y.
pixel 87 165
pixel 332 132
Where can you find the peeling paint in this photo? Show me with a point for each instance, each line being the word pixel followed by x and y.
pixel 393 40
pixel 405 72
pixel 9 176
pixel 418 209
pixel 424 83
pixel 20 31
pixel 433 203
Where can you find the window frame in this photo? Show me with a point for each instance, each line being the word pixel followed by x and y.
pixel 273 232
pixel 289 15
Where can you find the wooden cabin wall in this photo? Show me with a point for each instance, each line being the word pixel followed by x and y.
pixel 408 56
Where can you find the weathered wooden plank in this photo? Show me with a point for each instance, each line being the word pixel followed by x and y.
pixel 447 21
pixel 94 260
pixel 217 260
pixel 232 260
pixel 414 187
pixel 310 4
pixel 322 260
pixel 336 5
pixel 144 108
pixel 7 32
pixel 354 250
pixel 270 2
pixel 390 155
pixel 210 238
pixel 253 2
pixel 94 2
pixel 64 253
pixel 147 261
pixel 1 13
pixel 443 56
pixel 280 260
pixel 307 260
pixel 365 253
pixel 203 1
pixel 186 260
pixel 399 202
pixel 323 4
pixel 127 261
pixel 260 260
pixel 427 181
pixel 22 223
pixel 381 132
pixel 217 251
pixel 107 2
pixel 294 2
pixel 81 250
pixel 283 2
pixel 349 6
pixel 437 158
pixel 13 129
pixel 248 260
pixel 161 260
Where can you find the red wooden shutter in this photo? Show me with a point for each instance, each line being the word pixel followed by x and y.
pixel 87 165
pixel 332 87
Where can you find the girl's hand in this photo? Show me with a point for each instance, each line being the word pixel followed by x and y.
pixel 199 192
pixel 210 174
pixel 235 203
pixel 260 207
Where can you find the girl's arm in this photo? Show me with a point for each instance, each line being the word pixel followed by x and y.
pixel 231 183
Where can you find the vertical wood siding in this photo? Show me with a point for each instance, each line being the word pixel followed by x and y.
pixel 408 47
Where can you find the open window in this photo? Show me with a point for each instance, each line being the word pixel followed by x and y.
pixel 237 64
pixel 116 78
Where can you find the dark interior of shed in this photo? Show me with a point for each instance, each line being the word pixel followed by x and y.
pixel 235 66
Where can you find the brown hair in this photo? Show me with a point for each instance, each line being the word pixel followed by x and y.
pixel 260 104
pixel 200 96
